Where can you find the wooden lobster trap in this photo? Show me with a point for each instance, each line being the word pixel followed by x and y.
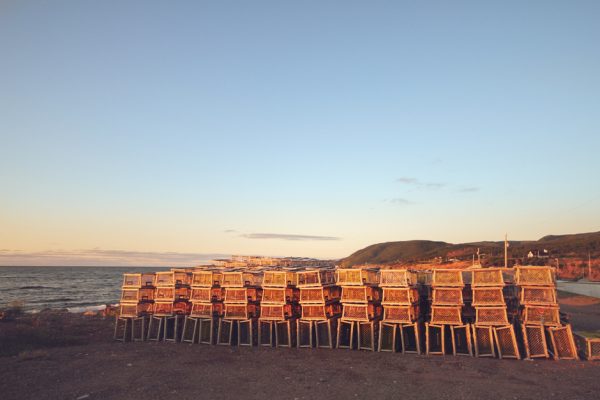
pixel 182 277
pixel 360 294
pixel 541 315
pixel 182 293
pixel 163 309
pixel 400 295
pixel 164 294
pixel 241 311
pixel 487 296
pixel 396 278
pixel 491 316
pixel 563 343
pixel 534 276
pixel 315 277
pixel 135 281
pixel 435 339
pixel 318 295
pixel 285 295
pixel 483 341
pixel 164 279
pixel 538 295
pixel 241 295
pixel 207 310
pixel 137 295
pixel 447 296
pixel 278 312
pixel 446 315
pixel 403 314
pixel 356 276
pixel 206 278
pixel 447 278
pixel 279 279
pixel 182 307
pixel 506 342
pixel 461 340
pixel 240 279
pixel 134 310
pixel 361 312
pixel 534 340
pixel 589 342
pixel 321 311
pixel 486 277
pixel 206 294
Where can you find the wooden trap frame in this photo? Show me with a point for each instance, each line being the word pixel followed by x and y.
pixel 138 281
pixel 240 279
pixel 491 316
pixel 446 315
pixel 242 295
pixel 238 332
pixel 487 277
pixel 435 340
pixel 506 342
pixel 541 315
pixel 315 277
pixel 360 294
pixel 537 295
pixel 395 337
pixel 319 295
pixel 483 341
pixel 589 343
pixel 321 311
pixel 488 296
pixel 238 311
pixel 396 278
pixel 563 343
pixel 389 337
pixel 447 278
pixel 123 329
pixel 207 310
pixel 366 334
pixel 164 279
pixel 461 340
pixel 361 312
pixel 182 277
pixel 198 330
pixel 137 295
pixel 206 278
pixel 356 276
pixel 534 341
pixel 134 310
pixel 206 294
pixel 404 314
pixel 316 333
pixel 447 296
pixel 279 295
pixel 278 333
pixel 278 312
pixel 279 279
pixel 534 276
pixel 400 295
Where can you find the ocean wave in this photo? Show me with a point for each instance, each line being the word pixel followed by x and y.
pixel 36 287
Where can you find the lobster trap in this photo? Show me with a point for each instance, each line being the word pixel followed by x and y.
pixel 137 295
pixel 276 333
pixel 128 310
pixel 356 276
pixel 400 295
pixel 483 341
pixel 435 341
pixel 278 312
pixel 563 343
pixel 182 278
pixel 206 278
pixel 240 311
pixel 361 312
pixel 316 277
pixel 488 296
pixel 461 340
pixel 396 278
pixel 487 277
pixel 537 295
pixel 534 340
pixel 164 279
pixel 206 294
pixel 541 315
pixel 135 281
pixel 491 316
pixel 316 333
pixel 534 276
pixel 447 278
pixel 446 315
pixel 206 310
pixel 590 344
pixel 360 294
pixel 237 332
pixel 389 337
pixel 404 314
pixel 279 295
pixel 198 330
pixel 240 279
pixel 318 295
pixel 122 328
pixel 357 335
pixel 279 279
pixel 410 338
pixel 506 342
pixel 447 297
pixel 321 311
pixel 242 295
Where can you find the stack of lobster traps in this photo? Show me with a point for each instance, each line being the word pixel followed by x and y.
pixel 279 308
pixel 171 304
pixel 399 328
pixel 320 307
pixel 493 333
pixel 540 316
pixel 137 304
pixel 241 302
pixel 445 329
pixel 207 306
pixel 361 308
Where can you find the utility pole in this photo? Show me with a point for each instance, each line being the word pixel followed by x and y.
pixel 589 265
pixel 478 257
pixel 506 250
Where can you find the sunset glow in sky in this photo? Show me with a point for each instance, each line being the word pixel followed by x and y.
pixel 170 133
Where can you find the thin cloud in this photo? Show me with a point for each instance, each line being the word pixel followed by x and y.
pixel 401 201
pixel 469 189
pixel 287 236
pixel 420 185
pixel 229 231
pixel 100 257
pixel 408 181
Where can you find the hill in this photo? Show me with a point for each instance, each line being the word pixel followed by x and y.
pixel 551 246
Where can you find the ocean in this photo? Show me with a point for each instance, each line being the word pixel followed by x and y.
pixel 74 288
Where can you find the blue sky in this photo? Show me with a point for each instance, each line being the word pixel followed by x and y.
pixel 292 128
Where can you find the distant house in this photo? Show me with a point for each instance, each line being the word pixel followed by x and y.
pixel 537 254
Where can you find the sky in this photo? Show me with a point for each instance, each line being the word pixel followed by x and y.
pixel 170 133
